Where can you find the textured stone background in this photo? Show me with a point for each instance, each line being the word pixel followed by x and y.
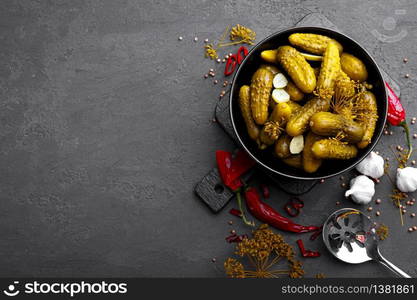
pixel 106 127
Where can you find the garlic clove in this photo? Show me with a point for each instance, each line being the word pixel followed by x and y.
pixel 372 166
pixel 362 189
pixel 280 81
pixel 297 144
pixel 407 179
pixel 280 96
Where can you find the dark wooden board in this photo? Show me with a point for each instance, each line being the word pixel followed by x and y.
pixel 210 188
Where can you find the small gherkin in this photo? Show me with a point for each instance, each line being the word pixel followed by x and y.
pixel 244 104
pixel 367 115
pixel 329 70
pixel 333 149
pixel 298 68
pixel 260 90
pixel 313 43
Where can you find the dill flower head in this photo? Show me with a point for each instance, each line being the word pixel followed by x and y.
pixel 262 252
pixel 242 34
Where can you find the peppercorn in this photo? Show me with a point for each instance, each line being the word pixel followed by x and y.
pixel 378 213
pixel 378 201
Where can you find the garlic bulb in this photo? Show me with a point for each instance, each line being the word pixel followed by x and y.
pixel 362 189
pixel 407 179
pixel 372 166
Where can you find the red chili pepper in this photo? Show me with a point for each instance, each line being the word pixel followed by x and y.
pixel 230 65
pixel 267 214
pixel 396 116
pixel 316 234
pixel 265 191
pixel 235 212
pixel 234 238
pixel 306 253
pixel 294 206
pixel 234 60
pixel 231 170
pixel 241 54
pixel 396 112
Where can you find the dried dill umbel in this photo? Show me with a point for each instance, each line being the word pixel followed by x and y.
pixel 210 51
pixel 238 35
pixel 266 255
pixel 397 196
pixel 382 231
pixel 241 34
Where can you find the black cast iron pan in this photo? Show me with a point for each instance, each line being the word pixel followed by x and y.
pixel 265 158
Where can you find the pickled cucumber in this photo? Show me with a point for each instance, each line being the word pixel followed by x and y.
pixel 353 67
pixel 329 70
pixel 311 163
pixel 367 116
pixel 297 68
pixel 330 124
pixel 295 161
pixel 295 93
pixel 260 89
pixel 269 134
pixel 298 122
pixel 244 103
pixel 274 126
pixel 282 146
pixel 333 149
pixel 314 43
pixel 271 68
pixel 269 56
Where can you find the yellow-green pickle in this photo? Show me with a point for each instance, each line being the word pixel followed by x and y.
pixel 353 67
pixel 260 89
pixel 329 70
pixel 282 146
pixel 295 161
pixel 367 117
pixel 295 93
pixel 271 68
pixel 313 43
pixel 333 149
pixel 330 124
pixel 298 123
pixel 244 103
pixel 311 163
pixel 297 67
pixel 273 127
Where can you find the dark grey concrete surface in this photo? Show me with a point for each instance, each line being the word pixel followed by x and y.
pixel 106 127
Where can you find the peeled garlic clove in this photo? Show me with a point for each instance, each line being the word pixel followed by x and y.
pixel 297 144
pixel 279 81
pixel 407 179
pixel 372 166
pixel 362 189
pixel 280 96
